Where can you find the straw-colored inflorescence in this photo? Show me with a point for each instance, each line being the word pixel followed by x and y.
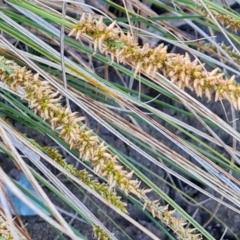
pixel 99 234
pixel 166 216
pixel 87 179
pixel 5 229
pixel 229 50
pixel 154 207
pixel 180 69
pixel 46 102
pixel 5 233
pixel 227 21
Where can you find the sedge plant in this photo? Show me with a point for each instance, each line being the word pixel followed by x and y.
pixel 64 45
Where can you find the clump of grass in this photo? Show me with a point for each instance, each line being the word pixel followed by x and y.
pixel 123 48
pixel 45 101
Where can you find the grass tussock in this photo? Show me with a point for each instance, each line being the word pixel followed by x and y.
pixel 50 65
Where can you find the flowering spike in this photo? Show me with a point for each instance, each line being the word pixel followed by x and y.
pixel 178 68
